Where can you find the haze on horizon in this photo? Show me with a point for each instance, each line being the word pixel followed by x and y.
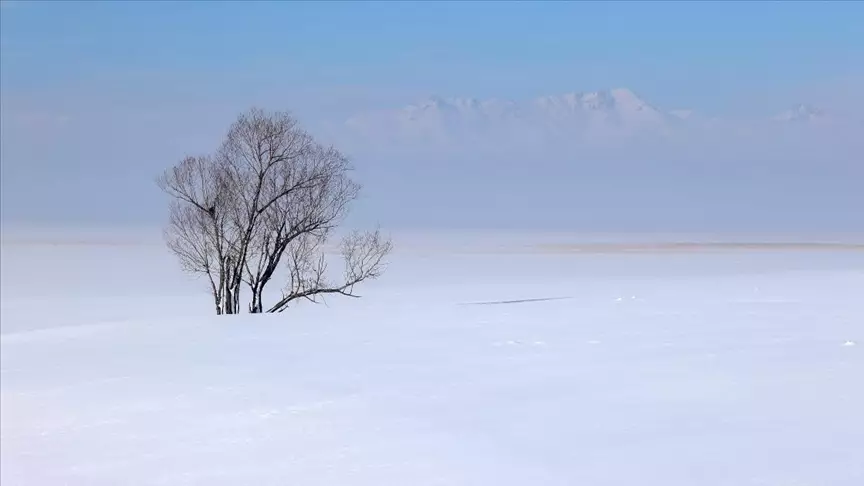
pixel 458 115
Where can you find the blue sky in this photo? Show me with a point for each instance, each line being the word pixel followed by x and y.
pixel 690 54
pixel 109 93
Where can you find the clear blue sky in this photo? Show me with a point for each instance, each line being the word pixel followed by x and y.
pixel 98 97
pixel 693 54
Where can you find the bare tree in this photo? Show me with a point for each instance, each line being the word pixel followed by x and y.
pixel 198 230
pixel 269 198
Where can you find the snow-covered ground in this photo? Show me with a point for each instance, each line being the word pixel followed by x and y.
pixel 722 367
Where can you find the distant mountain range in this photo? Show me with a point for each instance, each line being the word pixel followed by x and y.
pixel 597 117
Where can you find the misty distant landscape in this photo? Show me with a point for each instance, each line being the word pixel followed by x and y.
pixel 603 161
pixel 607 160
pixel 589 120
pixel 431 243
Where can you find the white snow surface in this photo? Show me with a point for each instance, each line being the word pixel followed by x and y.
pixel 647 368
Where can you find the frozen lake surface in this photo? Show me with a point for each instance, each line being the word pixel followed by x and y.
pixel 482 360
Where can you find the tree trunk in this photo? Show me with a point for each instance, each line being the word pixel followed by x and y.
pixel 256 306
pixel 235 292
pixel 217 298
pixel 228 306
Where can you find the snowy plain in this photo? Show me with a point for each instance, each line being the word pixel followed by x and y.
pixel 712 366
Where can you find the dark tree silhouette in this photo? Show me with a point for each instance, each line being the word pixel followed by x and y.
pixel 268 199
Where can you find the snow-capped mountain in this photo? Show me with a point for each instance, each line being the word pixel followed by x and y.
pixel 580 115
pixel 802 113
pixel 617 107
pixel 594 118
pixel 620 107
